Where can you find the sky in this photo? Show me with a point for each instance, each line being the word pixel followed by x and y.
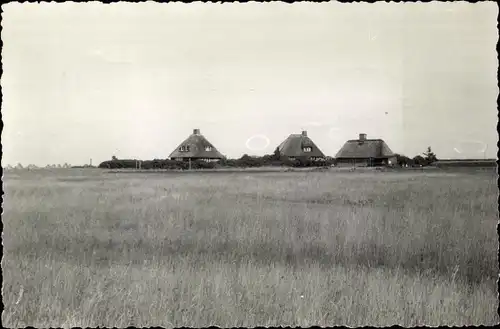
pixel 88 80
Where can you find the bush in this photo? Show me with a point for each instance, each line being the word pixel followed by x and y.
pixel 228 163
pixel 247 161
pixel 404 161
pixel 200 164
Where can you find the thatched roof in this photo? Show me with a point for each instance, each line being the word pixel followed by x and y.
pixel 363 148
pixel 295 144
pixel 195 147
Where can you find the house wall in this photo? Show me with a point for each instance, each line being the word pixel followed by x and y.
pixel 362 162
pixel 307 157
pixel 195 159
pixel 380 162
pixel 352 162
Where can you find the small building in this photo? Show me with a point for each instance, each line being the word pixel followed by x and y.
pixel 196 147
pixel 365 152
pixel 300 146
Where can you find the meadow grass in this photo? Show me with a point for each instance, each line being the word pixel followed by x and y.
pixel 89 248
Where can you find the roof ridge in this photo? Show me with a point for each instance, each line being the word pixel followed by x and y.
pixel 355 148
pixel 292 146
pixel 196 139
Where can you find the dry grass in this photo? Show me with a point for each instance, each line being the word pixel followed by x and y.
pixel 84 248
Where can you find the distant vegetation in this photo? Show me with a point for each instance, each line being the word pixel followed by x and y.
pixel 246 161
pixel 427 158
pixel 49 166
pixel 467 163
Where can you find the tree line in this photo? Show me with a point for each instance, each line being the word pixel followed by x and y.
pixel 247 161
pixel 427 158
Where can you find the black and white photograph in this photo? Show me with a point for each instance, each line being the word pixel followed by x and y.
pixel 249 164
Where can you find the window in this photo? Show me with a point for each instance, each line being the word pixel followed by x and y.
pixel 208 148
pixel 184 148
pixel 307 149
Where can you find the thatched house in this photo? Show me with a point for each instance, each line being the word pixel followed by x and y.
pixel 196 147
pixel 365 152
pixel 300 146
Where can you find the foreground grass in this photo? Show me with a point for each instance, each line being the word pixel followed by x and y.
pixel 245 250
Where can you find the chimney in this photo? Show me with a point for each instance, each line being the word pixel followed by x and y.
pixel 362 137
pixel 304 133
pixel 196 131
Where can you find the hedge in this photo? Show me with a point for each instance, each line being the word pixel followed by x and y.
pixel 243 162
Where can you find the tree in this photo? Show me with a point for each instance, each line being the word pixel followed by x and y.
pixel 248 161
pixel 419 160
pixel 403 160
pixel 114 158
pixel 276 155
pixel 430 156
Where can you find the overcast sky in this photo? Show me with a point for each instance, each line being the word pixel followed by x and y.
pixel 90 80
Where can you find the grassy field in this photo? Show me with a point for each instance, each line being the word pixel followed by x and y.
pixel 89 248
